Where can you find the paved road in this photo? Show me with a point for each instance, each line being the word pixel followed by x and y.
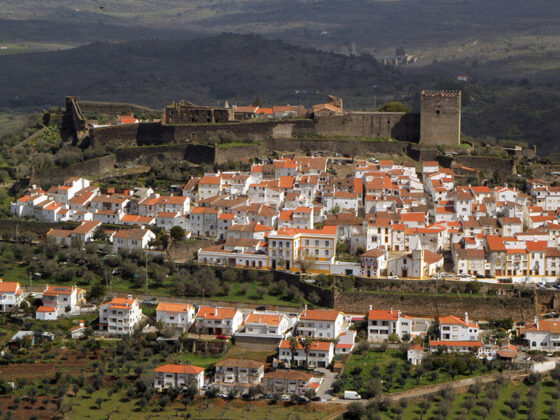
pixel 328 378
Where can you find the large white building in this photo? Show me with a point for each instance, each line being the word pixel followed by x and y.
pixel 320 323
pixel 120 316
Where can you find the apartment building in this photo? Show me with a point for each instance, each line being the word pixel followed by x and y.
pixel 120 316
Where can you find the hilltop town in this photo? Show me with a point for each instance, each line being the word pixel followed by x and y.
pixel 299 280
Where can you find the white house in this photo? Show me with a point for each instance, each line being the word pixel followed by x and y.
pixel 382 323
pixel 320 323
pixel 346 341
pixel 238 372
pixel 284 381
pixel 47 313
pixel 453 328
pixel 64 298
pixel 132 239
pixel 120 316
pixel 177 315
pixel 178 376
pixel 266 324
pixel 319 354
pixel 415 355
pixel 11 295
pixel 544 335
pixel 218 320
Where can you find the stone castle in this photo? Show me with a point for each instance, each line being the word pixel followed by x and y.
pixel 438 123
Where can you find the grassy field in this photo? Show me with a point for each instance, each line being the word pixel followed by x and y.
pixel 117 406
pixel 396 374
pixel 494 402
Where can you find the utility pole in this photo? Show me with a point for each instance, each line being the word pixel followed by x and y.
pixel 146 255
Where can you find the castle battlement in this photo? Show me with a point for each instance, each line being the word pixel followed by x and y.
pixel 449 93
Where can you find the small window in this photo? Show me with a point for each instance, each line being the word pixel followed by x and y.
pixel 438 111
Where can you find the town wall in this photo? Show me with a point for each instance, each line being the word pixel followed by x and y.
pixel 487 164
pixel 346 147
pixel 118 108
pixel 398 125
pixel 237 153
pixel 77 119
pixel 196 153
pixel 429 305
pixel 144 134
pixel 94 168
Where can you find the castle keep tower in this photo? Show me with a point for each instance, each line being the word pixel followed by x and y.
pixel 440 117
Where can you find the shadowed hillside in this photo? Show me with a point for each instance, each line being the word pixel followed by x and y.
pixel 233 67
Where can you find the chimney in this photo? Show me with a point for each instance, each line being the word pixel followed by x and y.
pixel 537 322
pixel 391 310
pixel 305 310
pixel 129 297
pixel 467 318
pixel 215 311
pixel 370 307
pixel 81 324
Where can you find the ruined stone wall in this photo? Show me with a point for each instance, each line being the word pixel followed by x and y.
pixel 347 147
pixel 92 168
pixel 440 117
pixel 237 153
pixel 196 153
pixel 75 116
pixel 118 108
pixel 398 125
pixel 487 164
pixel 481 308
pixel 144 134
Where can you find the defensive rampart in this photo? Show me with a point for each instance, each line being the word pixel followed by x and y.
pixel 398 125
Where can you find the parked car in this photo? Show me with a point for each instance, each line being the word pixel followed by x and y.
pixel 393 277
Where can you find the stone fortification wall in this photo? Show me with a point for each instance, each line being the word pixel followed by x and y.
pixel 398 125
pixel 427 305
pixel 196 153
pixel 75 116
pixel 90 168
pixel 236 153
pixel 487 164
pixel 144 134
pixel 118 108
pixel 347 147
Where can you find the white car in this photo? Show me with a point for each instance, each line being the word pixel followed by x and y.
pixel 393 277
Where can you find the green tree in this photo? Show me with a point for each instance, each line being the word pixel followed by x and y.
pixel 177 233
pixel 393 106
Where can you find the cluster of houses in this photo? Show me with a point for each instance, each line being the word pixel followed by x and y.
pixel 291 213
pixel 314 338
